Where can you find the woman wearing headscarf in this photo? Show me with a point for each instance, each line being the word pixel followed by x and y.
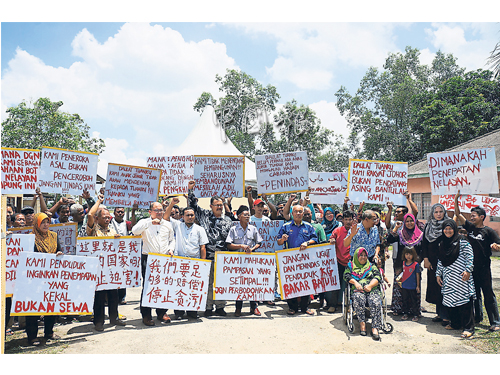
pixel 45 242
pixel 329 222
pixel 364 279
pixel 454 275
pixel 433 231
pixel 406 233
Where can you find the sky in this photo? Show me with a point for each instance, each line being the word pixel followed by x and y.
pixel 135 83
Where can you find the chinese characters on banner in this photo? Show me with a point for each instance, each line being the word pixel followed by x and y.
pixel 244 277
pixel 15 243
pixel 127 185
pixel 282 173
pixel 310 271
pixel 119 259
pixel 67 172
pixel 375 181
pixel 177 171
pixel 54 285
pixel 223 176
pixel 66 235
pixel 470 171
pixel 490 204
pixel 19 170
pixel 173 282
pixel 268 230
pixel 327 187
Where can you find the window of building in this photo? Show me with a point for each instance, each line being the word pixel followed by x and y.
pixel 423 202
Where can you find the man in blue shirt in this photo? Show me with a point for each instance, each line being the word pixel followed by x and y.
pixel 365 234
pixel 301 234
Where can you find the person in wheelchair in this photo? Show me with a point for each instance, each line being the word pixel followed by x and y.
pixel 365 279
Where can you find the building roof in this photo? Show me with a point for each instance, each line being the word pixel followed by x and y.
pixel 420 169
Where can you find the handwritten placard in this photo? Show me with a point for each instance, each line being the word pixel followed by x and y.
pixel 310 271
pixel 66 235
pixel 15 243
pixel 377 181
pixel 66 171
pixel 490 204
pixel 127 185
pixel 268 230
pixel 173 282
pixel 327 187
pixel 177 171
pixel 19 170
pixel 119 260
pixel 54 285
pixel 223 176
pixel 244 277
pixel 282 173
pixel 470 171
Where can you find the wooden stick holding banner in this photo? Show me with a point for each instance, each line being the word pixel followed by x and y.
pixel 375 181
pixel 177 171
pixel 16 243
pixel 127 185
pixel 310 271
pixel 471 171
pixel 223 176
pixel 244 277
pixel 282 173
pixel 54 285
pixel 19 170
pixel 67 171
pixel 173 282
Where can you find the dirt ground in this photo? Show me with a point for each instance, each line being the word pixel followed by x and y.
pixel 272 333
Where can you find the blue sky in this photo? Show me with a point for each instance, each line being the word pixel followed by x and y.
pixel 135 83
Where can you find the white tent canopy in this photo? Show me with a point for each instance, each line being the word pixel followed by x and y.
pixel 207 138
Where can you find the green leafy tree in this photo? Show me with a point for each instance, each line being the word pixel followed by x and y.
pixel 43 124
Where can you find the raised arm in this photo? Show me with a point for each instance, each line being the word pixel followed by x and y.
pixel 286 209
pixel 250 199
pixel 133 219
pixel 93 211
pixel 460 219
pixel 168 208
pixel 413 206
pixel 388 216
pixel 272 207
pixel 38 193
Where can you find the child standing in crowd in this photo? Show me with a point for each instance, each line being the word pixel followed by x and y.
pixel 410 284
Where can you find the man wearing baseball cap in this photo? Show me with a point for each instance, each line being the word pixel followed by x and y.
pixel 258 206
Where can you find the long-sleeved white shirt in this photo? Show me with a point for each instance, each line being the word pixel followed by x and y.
pixel 157 239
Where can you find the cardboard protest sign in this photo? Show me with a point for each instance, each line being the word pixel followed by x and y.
pixel 470 171
pixel 219 175
pixel 127 185
pixel 244 277
pixel 54 285
pixel 66 171
pixel 490 204
pixel 282 173
pixel 177 171
pixel 119 259
pixel 327 187
pixel 15 243
pixel 310 271
pixel 173 282
pixel 66 234
pixel 376 181
pixel 268 230
pixel 21 230
pixel 19 170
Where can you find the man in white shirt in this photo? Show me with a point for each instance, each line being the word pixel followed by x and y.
pixel 258 206
pixel 157 237
pixel 190 240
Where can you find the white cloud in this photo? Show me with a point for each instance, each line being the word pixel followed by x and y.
pixel 139 85
pixel 330 117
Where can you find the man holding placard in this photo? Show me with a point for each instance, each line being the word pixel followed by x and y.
pixel 301 234
pixel 217 227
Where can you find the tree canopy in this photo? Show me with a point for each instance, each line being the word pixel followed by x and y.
pixel 43 124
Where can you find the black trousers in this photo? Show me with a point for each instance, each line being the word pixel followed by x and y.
pixel 483 281
pixel 253 305
pixel 8 306
pixel 410 302
pixel 99 304
pixel 191 314
pixel 293 303
pixel 462 317
pixel 121 294
pixel 32 326
pixel 146 311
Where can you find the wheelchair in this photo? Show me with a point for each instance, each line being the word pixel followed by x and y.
pixel 348 311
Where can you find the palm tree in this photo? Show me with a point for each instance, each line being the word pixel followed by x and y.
pixel 494 60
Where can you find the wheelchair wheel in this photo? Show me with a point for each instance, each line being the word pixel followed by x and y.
pixel 350 318
pixel 388 328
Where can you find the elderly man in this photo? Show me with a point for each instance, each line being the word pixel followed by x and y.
pixel 190 241
pixel 157 237
pixel 244 238
pixel 98 226
pixel 364 234
pixel 18 220
pixel 217 227
pixel 28 213
pixel 301 234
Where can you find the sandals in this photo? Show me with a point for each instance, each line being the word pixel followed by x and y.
pixel 363 333
pixel 309 312
pixel 449 327
pixel 415 319
pixel 466 334
pixel 9 332
pixel 291 312
pixel 404 317
pixel 494 328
